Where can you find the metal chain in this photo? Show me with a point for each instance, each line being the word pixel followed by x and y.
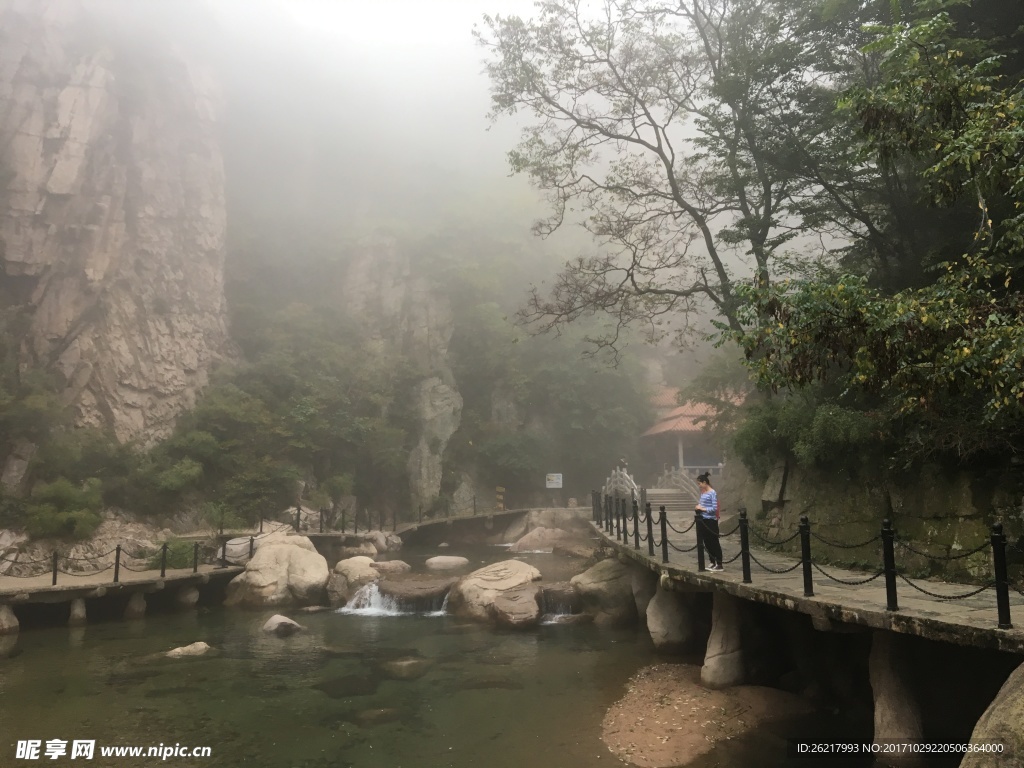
pixel 775 570
pixel 848 582
pixel 730 533
pixel 677 549
pixel 769 541
pixel 687 529
pixel 837 545
pixel 976 550
pixel 734 557
pixel 946 597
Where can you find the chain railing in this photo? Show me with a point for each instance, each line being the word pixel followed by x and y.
pixel 614 516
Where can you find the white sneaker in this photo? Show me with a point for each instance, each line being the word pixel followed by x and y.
pixel 716 568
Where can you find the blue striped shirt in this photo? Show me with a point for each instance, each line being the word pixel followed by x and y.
pixel 709 500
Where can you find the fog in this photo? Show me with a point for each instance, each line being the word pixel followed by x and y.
pixel 373 113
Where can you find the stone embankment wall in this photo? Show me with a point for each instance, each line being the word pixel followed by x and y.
pixel 938 512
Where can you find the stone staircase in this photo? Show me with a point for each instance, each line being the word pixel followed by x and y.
pixel 674 500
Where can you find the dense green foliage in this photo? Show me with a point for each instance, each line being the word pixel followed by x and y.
pixel 935 368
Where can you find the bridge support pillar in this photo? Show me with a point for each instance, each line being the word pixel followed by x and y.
pixel 644 583
pixel 723 660
pixel 897 714
pixel 136 608
pixel 186 598
pixel 77 616
pixel 670 619
pixel 9 624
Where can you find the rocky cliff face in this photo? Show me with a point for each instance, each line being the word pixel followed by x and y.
pixel 113 219
pixel 408 317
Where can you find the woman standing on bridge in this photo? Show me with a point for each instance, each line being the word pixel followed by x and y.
pixel 708 508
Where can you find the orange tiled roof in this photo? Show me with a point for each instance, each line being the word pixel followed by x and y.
pixel 689 417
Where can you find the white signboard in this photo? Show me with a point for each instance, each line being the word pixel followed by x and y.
pixel 553 481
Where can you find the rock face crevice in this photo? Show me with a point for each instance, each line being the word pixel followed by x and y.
pixel 112 228
pixel 407 316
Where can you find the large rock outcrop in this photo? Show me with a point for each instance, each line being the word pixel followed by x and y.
pixel 112 232
pixel 288 571
pixel 606 593
pixel 473 595
pixel 1002 723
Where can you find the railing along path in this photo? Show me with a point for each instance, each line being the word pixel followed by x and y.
pixel 633 522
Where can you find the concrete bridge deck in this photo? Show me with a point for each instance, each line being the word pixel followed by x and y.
pixel 969 621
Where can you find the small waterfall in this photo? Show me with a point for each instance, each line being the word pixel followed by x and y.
pixel 443 610
pixel 370 601
pixel 557 605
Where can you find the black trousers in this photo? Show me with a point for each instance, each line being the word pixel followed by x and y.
pixel 712 546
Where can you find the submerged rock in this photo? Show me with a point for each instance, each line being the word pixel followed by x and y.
pixel 193 649
pixel 368 718
pixel 407 668
pixel 348 685
pixel 282 626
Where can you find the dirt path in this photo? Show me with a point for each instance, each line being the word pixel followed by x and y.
pixel 667 718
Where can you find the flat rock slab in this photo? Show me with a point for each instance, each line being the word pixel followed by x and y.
pixel 408 668
pixel 391 567
pixel 517 608
pixel 416 587
pixel 446 563
pixel 473 595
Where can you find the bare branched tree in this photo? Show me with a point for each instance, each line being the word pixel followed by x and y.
pixel 677 130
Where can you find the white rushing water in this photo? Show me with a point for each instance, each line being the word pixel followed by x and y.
pixel 369 601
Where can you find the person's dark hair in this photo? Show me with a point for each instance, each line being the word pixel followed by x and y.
pixel 704 478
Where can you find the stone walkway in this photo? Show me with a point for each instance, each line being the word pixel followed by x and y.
pixel 969 621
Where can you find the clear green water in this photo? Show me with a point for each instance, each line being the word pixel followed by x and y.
pixel 488 698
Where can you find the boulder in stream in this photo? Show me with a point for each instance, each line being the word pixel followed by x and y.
pixel 473 595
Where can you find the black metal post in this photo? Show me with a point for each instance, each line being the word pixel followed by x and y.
pixel 650 529
pixel 889 565
pixel 117 563
pixel 618 521
pixel 355 520
pixel 163 560
pixel 1002 585
pixel 195 557
pixel 261 523
pixel 222 522
pixel 252 546
pixel 745 544
pixel 698 529
pixel 54 582
pixel 223 555
pixel 664 535
pixel 594 514
pixel 636 524
pixel 474 505
pixel 421 513
pixel 607 516
pixel 321 519
pixel 344 514
pixel 805 555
